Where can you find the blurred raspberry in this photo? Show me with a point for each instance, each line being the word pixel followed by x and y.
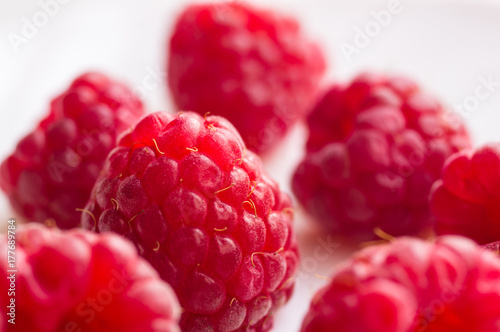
pixel 53 169
pixel 252 66
pixel 205 215
pixel 466 200
pixel 375 148
pixel 411 285
pixel 79 281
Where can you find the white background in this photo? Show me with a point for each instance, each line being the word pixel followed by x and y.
pixel 447 46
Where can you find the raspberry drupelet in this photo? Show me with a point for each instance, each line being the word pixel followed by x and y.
pixel 375 148
pixel 255 65
pixel 202 211
pixel 52 170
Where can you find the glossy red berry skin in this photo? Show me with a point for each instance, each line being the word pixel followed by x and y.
pixel 52 170
pixel 251 66
pixel 76 280
pixel 411 285
pixel 375 148
pixel 202 211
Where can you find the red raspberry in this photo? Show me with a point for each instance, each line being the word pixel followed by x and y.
pixel 53 169
pixel 205 215
pixel 252 66
pixel 79 281
pixel 466 200
pixel 375 148
pixel 411 285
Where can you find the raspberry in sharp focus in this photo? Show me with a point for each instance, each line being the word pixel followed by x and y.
pixel 251 66
pixel 375 148
pixel 411 285
pixel 466 200
pixel 77 280
pixel 202 211
pixel 52 170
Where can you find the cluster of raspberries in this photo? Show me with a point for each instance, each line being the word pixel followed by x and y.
pixel 185 231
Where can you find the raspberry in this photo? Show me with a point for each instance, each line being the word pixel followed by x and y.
pixel 53 169
pixel 375 148
pixel 411 285
pixel 465 201
pixel 252 66
pixel 79 281
pixel 205 215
